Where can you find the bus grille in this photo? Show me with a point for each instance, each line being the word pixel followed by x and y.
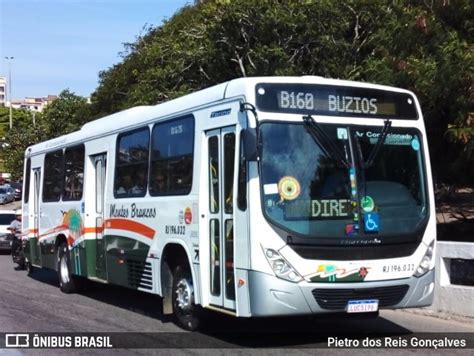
pixel 139 274
pixel 337 299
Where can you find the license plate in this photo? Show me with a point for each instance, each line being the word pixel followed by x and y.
pixel 362 306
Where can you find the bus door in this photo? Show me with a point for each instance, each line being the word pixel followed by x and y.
pixel 220 217
pixel 100 168
pixel 34 243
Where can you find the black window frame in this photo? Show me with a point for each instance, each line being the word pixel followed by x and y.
pixel 153 161
pixel 118 165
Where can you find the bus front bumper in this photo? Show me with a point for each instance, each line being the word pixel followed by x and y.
pixel 272 296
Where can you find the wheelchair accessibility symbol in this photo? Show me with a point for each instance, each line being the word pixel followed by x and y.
pixel 371 222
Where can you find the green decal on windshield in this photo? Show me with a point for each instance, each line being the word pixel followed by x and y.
pixel 367 204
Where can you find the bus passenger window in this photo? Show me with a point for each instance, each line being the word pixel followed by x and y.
pixel 131 168
pixel 172 157
pixel 53 172
pixel 242 179
pixel 214 174
pixel 73 173
pixel 26 192
pixel 229 159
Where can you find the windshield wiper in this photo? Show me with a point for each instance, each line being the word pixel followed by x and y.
pixel 324 141
pixel 375 151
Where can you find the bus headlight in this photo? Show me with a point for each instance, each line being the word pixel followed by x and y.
pixel 425 261
pixel 281 267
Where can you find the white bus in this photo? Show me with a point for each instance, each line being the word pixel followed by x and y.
pixel 257 197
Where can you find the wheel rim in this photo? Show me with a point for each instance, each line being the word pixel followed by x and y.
pixel 64 271
pixel 184 292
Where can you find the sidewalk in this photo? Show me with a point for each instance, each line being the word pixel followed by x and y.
pixel 11 206
pixel 440 315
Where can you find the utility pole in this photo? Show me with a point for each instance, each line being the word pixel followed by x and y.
pixel 9 59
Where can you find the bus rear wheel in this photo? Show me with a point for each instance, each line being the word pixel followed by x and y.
pixel 185 311
pixel 67 282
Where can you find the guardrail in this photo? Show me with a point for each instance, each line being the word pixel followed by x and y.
pixel 453 298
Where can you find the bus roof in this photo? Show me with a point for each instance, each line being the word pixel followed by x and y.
pixel 128 118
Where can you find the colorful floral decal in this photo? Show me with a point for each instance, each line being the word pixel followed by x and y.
pixel 331 273
pixel 72 219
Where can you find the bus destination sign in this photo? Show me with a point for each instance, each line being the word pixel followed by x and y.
pixel 334 100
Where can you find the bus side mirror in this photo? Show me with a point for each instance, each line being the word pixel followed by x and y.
pixel 249 142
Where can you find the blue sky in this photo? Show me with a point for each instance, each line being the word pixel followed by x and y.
pixel 59 44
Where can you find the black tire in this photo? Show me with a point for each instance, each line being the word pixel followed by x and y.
pixel 186 312
pixel 67 282
pixel 15 246
pixel 18 255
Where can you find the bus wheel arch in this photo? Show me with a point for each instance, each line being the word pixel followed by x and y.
pixel 60 239
pixel 178 286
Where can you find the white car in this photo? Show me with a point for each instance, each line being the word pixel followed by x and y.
pixel 7 194
pixel 6 217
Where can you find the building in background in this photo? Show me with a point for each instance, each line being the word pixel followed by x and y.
pixel 28 103
pixel 3 91
pixel 33 104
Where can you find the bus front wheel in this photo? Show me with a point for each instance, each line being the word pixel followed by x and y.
pixel 185 310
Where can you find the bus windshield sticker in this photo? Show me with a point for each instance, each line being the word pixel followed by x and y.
pixel 289 188
pixel 392 139
pixel 415 144
pixel 270 189
pixel 341 133
pixel 371 222
pixel 352 229
pixel 367 204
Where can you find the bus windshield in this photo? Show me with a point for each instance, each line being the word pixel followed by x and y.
pixel 308 192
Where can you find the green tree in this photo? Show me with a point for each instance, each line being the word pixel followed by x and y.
pixel 19 138
pixel 423 46
pixel 19 118
pixel 65 114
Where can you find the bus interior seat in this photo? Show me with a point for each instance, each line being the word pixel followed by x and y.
pixel 386 193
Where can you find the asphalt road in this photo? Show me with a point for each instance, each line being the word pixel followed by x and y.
pixel 35 304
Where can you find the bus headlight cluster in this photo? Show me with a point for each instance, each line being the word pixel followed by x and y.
pixel 281 267
pixel 425 261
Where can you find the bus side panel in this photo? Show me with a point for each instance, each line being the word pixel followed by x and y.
pixel 126 260
pixel 62 222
